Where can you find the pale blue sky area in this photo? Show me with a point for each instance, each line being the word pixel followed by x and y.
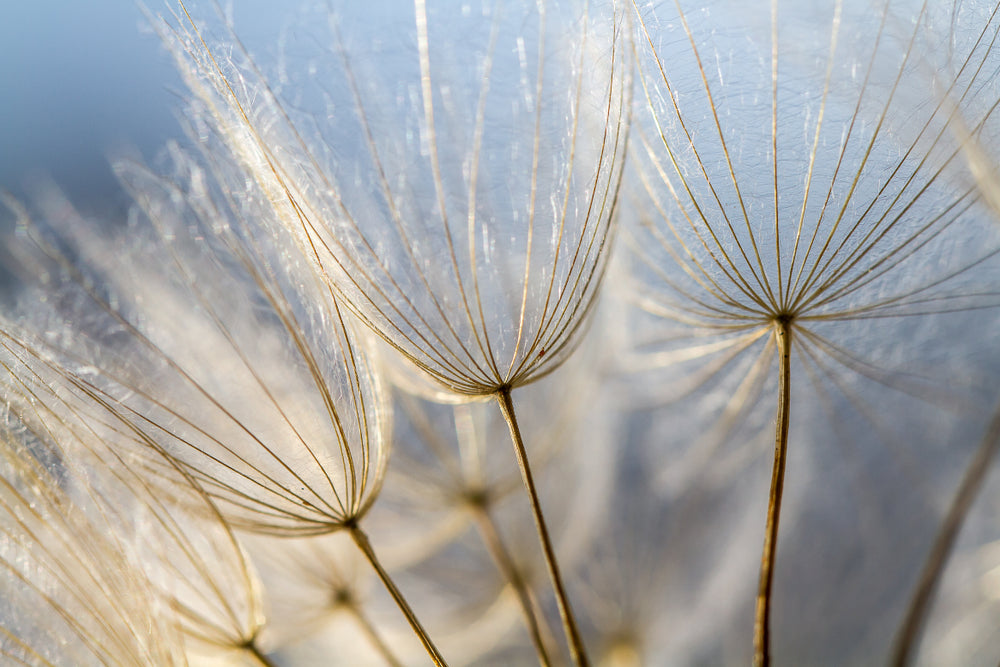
pixel 80 81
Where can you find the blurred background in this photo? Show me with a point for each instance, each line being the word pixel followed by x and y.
pixel 84 81
pixel 80 81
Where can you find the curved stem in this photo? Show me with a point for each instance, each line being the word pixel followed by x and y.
pixel 541 635
pixel 762 620
pixel 361 540
pixel 974 477
pixel 576 647
pixel 373 636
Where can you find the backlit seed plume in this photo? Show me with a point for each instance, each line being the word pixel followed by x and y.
pixel 71 592
pixel 800 183
pixel 177 537
pixel 799 169
pixel 453 173
pixel 219 352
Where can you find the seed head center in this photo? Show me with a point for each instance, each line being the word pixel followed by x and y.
pixel 783 318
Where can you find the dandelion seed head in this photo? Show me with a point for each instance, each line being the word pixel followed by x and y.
pixel 465 306
pixel 221 360
pixel 818 196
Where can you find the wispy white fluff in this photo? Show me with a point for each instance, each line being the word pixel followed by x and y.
pixel 454 175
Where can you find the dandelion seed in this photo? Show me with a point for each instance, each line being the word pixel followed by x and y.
pixel 176 536
pixel 71 591
pixel 756 231
pixel 509 157
pixel 447 475
pixel 260 393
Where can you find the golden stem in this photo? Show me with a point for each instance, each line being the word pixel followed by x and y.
pixel 762 620
pixel 541 634
pixel 361 540
pixel 576 647
pixel 969 487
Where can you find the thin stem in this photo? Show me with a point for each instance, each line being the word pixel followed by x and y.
pixel 373 636
pixel 762 620
pixel 540 633
pixel 361 540
pixel 575 642
pixel 920 605
pixel 251 648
